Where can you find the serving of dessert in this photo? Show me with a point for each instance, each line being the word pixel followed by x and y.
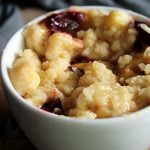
pixel 85 63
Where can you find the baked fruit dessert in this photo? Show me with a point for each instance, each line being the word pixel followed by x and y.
pixel 85 63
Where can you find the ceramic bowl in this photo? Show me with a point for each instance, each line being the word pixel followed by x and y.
pixel 48 131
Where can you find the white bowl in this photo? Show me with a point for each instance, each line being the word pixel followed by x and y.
pixel 48 131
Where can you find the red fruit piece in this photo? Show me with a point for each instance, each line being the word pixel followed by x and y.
pixel 68 21
pixel 80 59
pixel 52 104
pixel 143 38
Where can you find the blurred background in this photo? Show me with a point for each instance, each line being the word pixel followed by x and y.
pixel 13 15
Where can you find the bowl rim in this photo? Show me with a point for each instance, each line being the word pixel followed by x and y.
pixel 7 83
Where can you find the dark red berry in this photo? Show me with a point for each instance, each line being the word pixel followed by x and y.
pixel 52 104
pixel 80 59
pixel 143 38
pixel 68 21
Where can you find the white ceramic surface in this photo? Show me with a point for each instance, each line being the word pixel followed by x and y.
pixel 51 132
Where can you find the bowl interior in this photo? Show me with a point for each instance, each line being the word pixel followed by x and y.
pixel 16 45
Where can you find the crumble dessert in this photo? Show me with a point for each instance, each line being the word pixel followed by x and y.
pixel 85 63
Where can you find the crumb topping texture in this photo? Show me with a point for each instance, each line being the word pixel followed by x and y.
pixel 85 63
